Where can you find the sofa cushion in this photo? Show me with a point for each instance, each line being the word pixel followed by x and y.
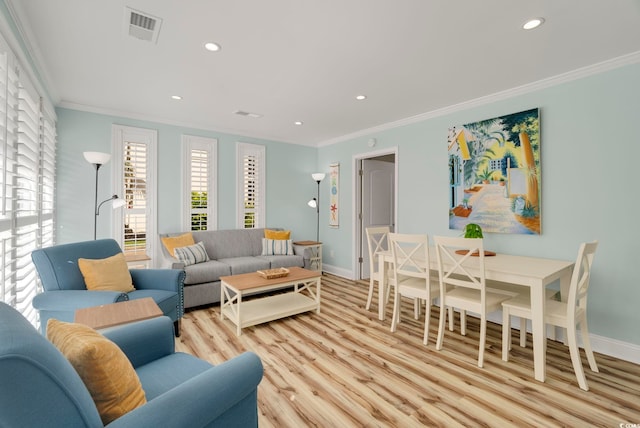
pixel 223 244
pixel 191 255
pixel 103 367
pixel 110 274
pixel 246 264
pixel 284 261
pixel 206 272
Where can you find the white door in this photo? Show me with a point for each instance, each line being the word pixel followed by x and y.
pixel 378 186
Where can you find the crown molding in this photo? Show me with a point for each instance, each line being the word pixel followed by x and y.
pixel 601 67
pixel 147 118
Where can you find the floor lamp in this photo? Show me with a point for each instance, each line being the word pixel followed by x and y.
pixel 97 159
pixel 315 202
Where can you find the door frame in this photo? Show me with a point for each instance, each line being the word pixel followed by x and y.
pixel 356 238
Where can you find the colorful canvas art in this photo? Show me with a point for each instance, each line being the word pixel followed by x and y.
pixel 494 174
pixel 334 196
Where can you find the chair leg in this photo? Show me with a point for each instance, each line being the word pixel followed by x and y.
pixel 395 319
pixel 416 308
pixel 463 322
pixel 523 332
pixel 370 296
pixel 586 342
pixel 450 310
pixel 427 319
pixel 176 327
pixel 483 338
pixel 506 334
pixel 574 351
pixel 443 309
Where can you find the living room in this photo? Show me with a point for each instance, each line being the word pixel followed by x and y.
pixel 588 116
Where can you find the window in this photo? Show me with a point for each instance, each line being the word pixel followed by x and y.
pixel 27 182
pixel 199 183
pixel 251 186
pixel 134 157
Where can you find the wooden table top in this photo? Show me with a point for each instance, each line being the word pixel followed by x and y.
pixel 247 281
pixel 113 314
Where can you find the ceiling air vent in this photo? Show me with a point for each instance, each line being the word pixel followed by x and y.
pixel 247 114
pixel 142 25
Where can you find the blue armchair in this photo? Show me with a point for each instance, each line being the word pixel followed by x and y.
pixel 41 388
pixel 65 289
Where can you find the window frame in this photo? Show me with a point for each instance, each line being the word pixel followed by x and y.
pixel 259 151
pixel 120 135
pixel 210 145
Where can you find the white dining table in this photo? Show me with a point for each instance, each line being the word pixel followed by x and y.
pixel 533 272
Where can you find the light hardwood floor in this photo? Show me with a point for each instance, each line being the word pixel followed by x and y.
pixel 344 368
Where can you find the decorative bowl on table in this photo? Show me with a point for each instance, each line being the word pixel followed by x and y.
pixel 273 273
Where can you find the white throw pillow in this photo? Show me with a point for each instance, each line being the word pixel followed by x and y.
pixel 277 247
pixel 192 254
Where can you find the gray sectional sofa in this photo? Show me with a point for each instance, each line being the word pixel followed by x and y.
pixel 231 252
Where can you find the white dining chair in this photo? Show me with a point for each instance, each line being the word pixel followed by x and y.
pixel 412 276
pixel 566 314
pixel 376 241
pixel 463 285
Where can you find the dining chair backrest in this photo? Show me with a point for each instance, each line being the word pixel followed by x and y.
pixel 577 298
pixel 410 255
pixel 377 240
pixel 461 270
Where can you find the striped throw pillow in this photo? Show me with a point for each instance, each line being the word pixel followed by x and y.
pixel 277 247
pixel 192 254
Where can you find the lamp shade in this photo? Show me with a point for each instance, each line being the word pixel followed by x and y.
pixel 97 157
pixel 313 203
pixel 318 176
pixel 118 202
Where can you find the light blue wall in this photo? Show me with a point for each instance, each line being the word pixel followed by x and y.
pixel 590 147
pixel 288 177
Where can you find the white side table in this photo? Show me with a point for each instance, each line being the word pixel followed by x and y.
pixel 315 253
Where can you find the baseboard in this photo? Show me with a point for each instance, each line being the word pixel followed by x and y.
pixel 600 344
pixel 341 272
pixel 603 345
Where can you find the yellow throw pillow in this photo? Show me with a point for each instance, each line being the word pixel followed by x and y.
pixel 110 274
pixel 173 242
pixel 104 368
pixel 277 234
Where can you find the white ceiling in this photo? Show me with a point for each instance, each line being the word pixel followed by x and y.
pixel 306 60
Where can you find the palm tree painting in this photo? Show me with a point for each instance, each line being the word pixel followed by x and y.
pixel 494 174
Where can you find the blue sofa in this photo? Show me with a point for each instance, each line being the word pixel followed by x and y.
pixel 40 388
pixel 65 289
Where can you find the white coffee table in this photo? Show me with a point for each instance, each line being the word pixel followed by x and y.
pixel 305 296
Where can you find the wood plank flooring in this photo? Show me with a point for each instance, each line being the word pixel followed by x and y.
pixel 344 368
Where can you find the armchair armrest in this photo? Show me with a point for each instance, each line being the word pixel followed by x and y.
pixel 70 300
pixel 144 341
pixel 224 395
pixel 158 279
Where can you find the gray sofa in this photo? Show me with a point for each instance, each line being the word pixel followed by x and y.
pixel 231 252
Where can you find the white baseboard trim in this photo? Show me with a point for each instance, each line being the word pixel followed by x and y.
pixel 603 345
pixel 343 273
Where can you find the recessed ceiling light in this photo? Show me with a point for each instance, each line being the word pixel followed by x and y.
pixel 176 97
pixel 298 122
pixel 213 47
pixel 533 23
pixel 361 97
